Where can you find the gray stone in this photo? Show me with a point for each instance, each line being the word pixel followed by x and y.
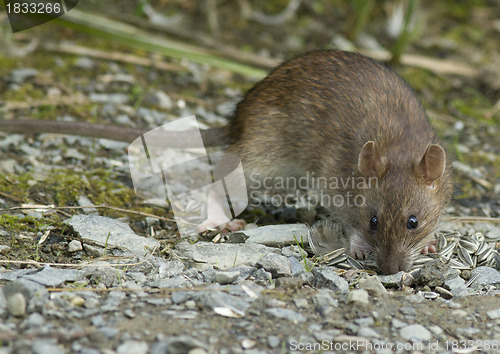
pixel 365 321
pixel 415 332
pixel 35 293
pixel 108 276
pixel 215 299
pixel 327 278
pixel 358 296
pixel 84 201
pixel 373 285
pixel 277 265
pixel 45 346
pixel 52 277
pixel 367 332
pixel 16 305
pixel 109 332
pixel 486 277
pixel 111 233
pixel 74 246
pixel 35 320
pixel 408 311
pixel 456 286
pixel 278 235
pixel 171 268
pixel 15 274
pixel 273 341
pixel 300 302
pixel 494 314
pixel 398 324
pixel 391 280
pixel 297 267
pixel 179 297
pixel 226 277
pixel 494 233
pixel 183 344
pixel 133 346
pixel 286 314
pixel 4 249
pixel 109 98
pixel 469 332
pixel 223 255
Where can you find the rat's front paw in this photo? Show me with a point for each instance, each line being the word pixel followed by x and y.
pixel 430 247
pixel 358 247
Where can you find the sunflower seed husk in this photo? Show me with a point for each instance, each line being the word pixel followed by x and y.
pixel 442 242
pixel 354 263
pixel 469 244
pixel 423 260
pixel 338 260
pixel 465 256
pixel 485 253
pixel 457 264
pixel 343 265
pixel 328 257
pixel 478 237
pixel 483 247
pixel 471 280
pixel 448 250
pixel 445 294
pixel 430 295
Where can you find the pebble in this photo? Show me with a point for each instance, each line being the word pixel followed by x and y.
pixel 373 285
pixel 110 233
pixel 327 278
pixel 16 305
pixel 486 277
pixel 415 332
pixel 278 235
pixel 45 346
pixel 74 246
pixel 358 297
pixel 132 346
pixel 286 314
pixel 226 277
pixel 494 314
pixel 277 265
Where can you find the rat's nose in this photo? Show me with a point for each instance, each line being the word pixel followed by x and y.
pixel 393 264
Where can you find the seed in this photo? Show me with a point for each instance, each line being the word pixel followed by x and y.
pixel 457 264
pixel 354 263
pixel 442 242
pixel 430 295
pixel 338 260
pixel 465 256
pixel 448 250
pixel 469 244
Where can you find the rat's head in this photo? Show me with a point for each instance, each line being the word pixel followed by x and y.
pixel 400 215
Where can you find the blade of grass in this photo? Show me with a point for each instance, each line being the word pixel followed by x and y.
pixel 133 37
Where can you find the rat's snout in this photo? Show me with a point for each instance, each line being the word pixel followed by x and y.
pixel 393 262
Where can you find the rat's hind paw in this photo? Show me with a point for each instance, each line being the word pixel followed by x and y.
pixel 231 226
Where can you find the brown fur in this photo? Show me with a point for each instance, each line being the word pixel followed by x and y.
pixel 316 112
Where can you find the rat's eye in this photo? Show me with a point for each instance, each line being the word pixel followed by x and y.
pixel 412 222
pixel 373 223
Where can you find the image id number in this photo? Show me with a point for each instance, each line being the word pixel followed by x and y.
pixel 33 8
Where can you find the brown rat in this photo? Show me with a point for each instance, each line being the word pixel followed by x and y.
pixel 341 117
pixel 333 116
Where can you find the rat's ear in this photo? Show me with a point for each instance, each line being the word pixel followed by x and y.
pixel 433 163
pixel 370 163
